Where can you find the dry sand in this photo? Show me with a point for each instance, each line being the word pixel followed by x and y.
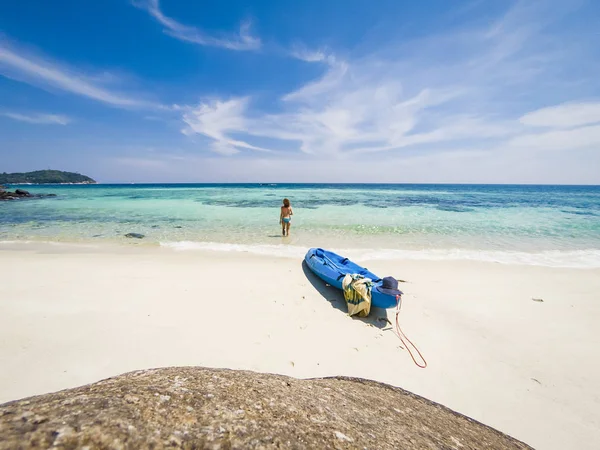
pixel 73 315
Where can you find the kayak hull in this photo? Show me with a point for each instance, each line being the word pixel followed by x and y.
pixel 332 268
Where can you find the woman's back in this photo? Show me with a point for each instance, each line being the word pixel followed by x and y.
pixel 286 211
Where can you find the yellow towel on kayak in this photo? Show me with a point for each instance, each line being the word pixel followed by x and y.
pixel 357 292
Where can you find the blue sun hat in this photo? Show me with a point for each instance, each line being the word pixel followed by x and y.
pixel 389 286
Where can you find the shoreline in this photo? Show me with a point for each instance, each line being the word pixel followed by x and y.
pixel 71 315
pixel 582 259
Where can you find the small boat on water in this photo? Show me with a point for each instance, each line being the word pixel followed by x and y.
pixel 332 268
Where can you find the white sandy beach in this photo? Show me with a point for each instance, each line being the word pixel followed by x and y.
pixel 74 315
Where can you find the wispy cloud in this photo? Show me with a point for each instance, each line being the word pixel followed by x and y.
pixel 568 126
pixel 564 116
pixel 353 107
pixel 574 139
pixel 304 54
pixel 23 66
pixel 42 119
pixel 215 119
pixel 331 81
pixel 309 56
pixel 243 40
pixel 393 99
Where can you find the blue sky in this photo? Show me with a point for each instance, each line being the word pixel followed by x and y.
pixel 313 91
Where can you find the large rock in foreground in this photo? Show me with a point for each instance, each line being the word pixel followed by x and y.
pixel 209 408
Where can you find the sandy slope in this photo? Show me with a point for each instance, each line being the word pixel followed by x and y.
pixel 70 316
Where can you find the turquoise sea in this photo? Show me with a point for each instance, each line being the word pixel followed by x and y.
pixel 544 225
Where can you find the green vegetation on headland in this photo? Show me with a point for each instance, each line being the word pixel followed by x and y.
pixel 45 177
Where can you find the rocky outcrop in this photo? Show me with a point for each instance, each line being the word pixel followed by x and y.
pixel 195 408
pixel 135 236
pixel 20 194
pixel 7 195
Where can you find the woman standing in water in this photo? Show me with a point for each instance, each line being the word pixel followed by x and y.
pixel 285 218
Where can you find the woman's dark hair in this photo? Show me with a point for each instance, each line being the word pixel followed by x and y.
pixel 286 203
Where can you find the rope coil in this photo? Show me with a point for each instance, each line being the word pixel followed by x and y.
pixel 403 336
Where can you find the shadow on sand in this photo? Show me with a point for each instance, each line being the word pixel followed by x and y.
pixel 335 297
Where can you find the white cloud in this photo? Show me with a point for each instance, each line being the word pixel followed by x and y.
pixel 348 110
pixel 578 138
pixel 215 119
pixel 224 148
pixel 43 119
pixel 41 72
pixel 566 115
pixel 328 83
pixel 304 54
pixel 239 41
pixel 308 55
pixel 393 100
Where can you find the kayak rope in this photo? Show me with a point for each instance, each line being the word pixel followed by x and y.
pixel 403 336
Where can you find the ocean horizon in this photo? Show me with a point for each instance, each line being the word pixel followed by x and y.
pixel 551 225
pixel 258 183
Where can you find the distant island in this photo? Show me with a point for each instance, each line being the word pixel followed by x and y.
pixel 45 177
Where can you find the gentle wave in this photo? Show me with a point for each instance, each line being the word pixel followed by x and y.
pixel 577 259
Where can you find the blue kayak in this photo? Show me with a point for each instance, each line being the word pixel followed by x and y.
pixel 332 268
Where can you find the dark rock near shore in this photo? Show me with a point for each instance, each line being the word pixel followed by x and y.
pixel 135 235
pixel 7 195
pixel 21 194
pixel 196 408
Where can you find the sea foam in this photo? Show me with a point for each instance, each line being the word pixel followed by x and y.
pixel 578 259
